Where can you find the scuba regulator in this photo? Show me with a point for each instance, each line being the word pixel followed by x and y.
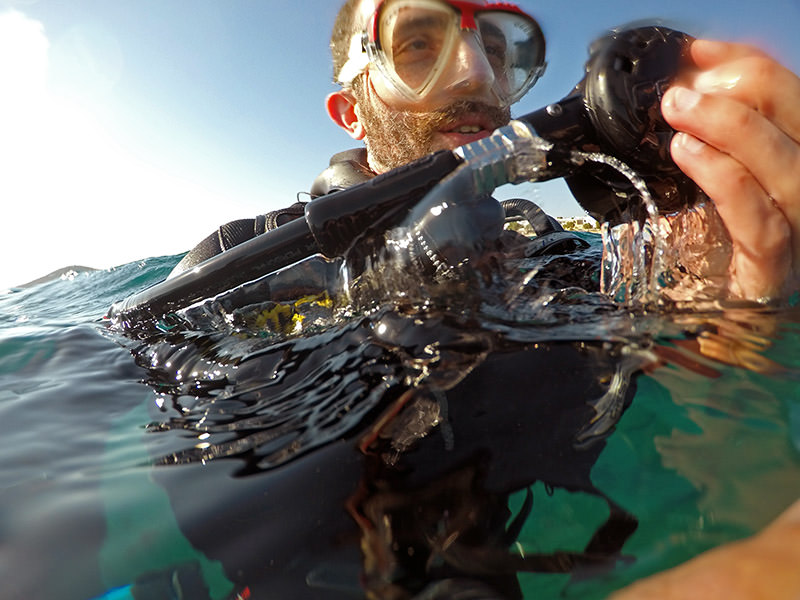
pixel 614 109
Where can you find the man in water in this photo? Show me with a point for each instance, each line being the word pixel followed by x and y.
pixel 739 140
pixel 737 118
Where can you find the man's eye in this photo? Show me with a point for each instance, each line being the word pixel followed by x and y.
pixel 414 46
pixel 495 52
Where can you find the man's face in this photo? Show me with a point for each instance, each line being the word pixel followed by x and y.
pixel 461 110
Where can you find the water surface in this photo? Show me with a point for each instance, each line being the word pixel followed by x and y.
pixel 399 449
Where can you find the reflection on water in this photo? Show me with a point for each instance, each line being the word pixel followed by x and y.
pixel 442 421
pixel 735 410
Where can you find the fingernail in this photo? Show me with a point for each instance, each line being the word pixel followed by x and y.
pixel 689 143
pixel 685 99
pixel 710 82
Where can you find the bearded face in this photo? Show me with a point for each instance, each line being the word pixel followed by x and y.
pixel 395 137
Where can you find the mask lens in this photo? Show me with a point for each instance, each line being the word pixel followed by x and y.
pixel 514 47
pixel 416 38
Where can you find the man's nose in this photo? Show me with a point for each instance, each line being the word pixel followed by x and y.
pixel 471 73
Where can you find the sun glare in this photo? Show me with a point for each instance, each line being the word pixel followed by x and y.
pixel 23 58
pixel 72 193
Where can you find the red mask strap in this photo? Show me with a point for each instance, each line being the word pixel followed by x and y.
pixel 468 10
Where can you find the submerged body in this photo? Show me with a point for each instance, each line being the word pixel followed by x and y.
pixel 284 458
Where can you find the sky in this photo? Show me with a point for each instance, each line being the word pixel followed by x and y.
pixel 133 128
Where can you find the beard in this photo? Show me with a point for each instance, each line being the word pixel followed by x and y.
pixel 396 137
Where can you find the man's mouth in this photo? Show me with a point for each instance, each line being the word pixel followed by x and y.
pixel 467 122
pixel 467 129
pixel 465 133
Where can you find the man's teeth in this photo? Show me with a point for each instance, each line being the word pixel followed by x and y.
pixel 468 129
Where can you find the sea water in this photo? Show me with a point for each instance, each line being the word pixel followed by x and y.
pixel 301 462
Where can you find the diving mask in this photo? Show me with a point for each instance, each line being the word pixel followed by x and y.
pixel 413 43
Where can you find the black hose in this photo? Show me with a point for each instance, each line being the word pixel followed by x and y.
pixel 530 211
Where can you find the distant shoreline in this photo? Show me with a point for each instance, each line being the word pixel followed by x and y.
pixel 582 223
pixel 69 271
pixel 579 224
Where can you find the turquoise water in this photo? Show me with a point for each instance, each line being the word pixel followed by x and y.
pixel 302 467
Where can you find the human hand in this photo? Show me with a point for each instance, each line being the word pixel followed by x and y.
pixel 764 566
pixel 738 119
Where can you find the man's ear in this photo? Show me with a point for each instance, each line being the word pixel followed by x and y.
pixel 341 108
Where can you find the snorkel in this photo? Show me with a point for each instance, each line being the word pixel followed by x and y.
pixel 615 109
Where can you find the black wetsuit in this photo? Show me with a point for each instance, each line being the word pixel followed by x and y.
pixel 346 169
pixel 341 520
